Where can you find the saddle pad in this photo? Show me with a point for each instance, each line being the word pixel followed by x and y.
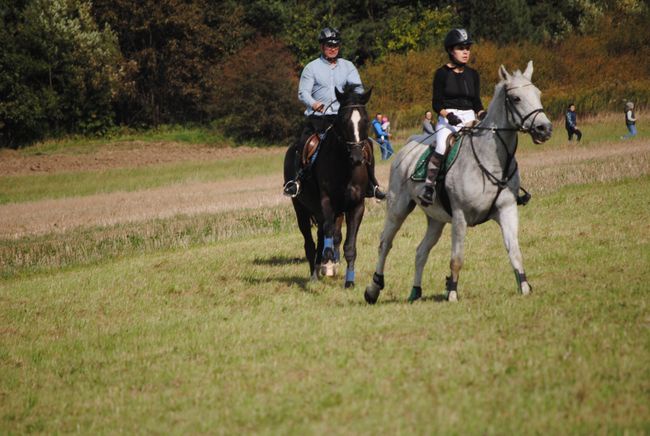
pixel 420 172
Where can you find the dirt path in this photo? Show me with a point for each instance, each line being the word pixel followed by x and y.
pixel 120 155
pixel 47 216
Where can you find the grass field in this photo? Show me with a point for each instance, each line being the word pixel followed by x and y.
pixel 208 323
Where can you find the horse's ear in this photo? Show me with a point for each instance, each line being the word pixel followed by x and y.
pixel 503 74
pixel 528 74
pixel 366 96
pixel 339 95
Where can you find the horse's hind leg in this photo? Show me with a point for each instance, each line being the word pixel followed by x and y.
pixel 434 230
pixel 508 220
pixel 397 211
pixel 458 232
pixel 304 224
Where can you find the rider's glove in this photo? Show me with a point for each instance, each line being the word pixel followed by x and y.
pixel 453 119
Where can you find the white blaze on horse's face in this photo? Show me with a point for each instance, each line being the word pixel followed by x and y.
pixel 356 119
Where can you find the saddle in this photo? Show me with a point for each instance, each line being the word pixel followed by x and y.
pixel 454 142
pixel 309 150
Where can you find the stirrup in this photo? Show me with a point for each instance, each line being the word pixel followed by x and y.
pixel 425 199
pixel 379 197
pixel 523 199
pixel 288 189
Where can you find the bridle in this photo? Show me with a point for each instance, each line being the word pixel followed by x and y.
pixel 511 111
pixel 351 145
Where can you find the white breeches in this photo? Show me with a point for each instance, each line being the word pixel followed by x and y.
pixel 444 129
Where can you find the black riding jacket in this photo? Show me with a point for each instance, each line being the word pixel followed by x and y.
pixel 456 90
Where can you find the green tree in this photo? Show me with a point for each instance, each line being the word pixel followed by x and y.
pixel 57 71
pixel 501 21
pixel 172 49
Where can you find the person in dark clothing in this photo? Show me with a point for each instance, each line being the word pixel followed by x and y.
pixel 630 120
pixel 570 122
pixel 456 100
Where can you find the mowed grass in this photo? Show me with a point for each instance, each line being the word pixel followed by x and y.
pixel 230 337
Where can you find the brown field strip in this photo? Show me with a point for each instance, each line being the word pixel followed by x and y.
pixel 541 172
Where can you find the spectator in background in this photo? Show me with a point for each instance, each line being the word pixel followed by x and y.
pixel 427 127
pixel 570 122
pixel 385 124
pixel 630 120
pixel 382 137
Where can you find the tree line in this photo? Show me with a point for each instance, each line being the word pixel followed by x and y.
pixel 85 67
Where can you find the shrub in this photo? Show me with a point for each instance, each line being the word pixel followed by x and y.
pixel 257 99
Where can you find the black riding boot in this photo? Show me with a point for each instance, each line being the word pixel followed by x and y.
pixel 373 190
pixel 433 167
pixel 292 187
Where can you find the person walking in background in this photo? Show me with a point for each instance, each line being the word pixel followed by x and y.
pixel 570 122
pixel 427 127
pixel 382 137
pixel 456 100
pixel 630 120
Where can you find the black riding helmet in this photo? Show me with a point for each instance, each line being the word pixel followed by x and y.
pixel 457 37
pixel 329 34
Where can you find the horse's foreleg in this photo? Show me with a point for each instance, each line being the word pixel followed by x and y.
pixel 434 230
pixel 319 253
pixel 329 230
pixel 458 231
pixel 508 220
pixel 397 211
pixel 338 238
pixel 353 222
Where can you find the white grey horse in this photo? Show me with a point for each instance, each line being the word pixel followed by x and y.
pixel 482 184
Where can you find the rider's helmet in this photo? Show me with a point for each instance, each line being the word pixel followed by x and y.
pixel 457 37
pixel 329 34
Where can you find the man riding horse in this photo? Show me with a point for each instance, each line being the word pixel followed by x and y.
pixel 318 81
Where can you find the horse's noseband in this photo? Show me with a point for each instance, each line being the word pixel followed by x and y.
pixel 511 110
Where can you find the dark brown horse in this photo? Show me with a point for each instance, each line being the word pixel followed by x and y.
pixel 335 187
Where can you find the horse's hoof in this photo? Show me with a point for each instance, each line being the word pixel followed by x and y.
pixel 371 295
pixel 416 294
pixel 452 296
pixel 349 284
pixel 327 269
pixel 525 289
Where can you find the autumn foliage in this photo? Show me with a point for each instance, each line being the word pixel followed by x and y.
pixel 257 93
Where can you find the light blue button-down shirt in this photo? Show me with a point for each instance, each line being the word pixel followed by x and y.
pixel 318 80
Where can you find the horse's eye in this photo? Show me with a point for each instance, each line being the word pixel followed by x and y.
pixel 516 99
